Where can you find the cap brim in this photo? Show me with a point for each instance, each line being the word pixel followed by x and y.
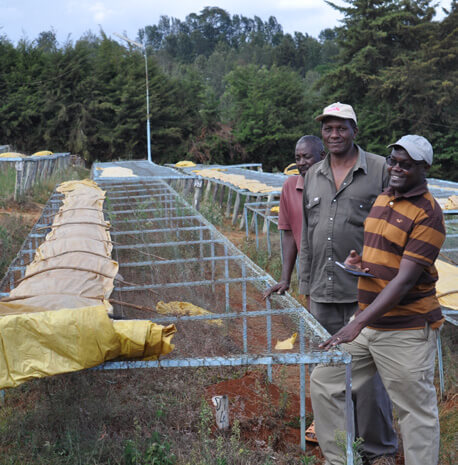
pixel 408 150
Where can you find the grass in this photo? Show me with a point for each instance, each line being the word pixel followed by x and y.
pixel 7 183
pixel 139 417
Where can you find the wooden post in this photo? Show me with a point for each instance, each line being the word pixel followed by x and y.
pixel 19 165
pixel 229 202
pixel 197 193
pixel 254 218
pixel 236 208
pixel 221 404
pixel 215 191
pixel 242 220
pixel 267 213
pixel 207 190
pixel 221 195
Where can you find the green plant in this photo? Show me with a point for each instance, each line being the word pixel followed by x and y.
pixel 42 190
pixel 341 441
pixel 212 212
pixel 309 460
pixel 7 183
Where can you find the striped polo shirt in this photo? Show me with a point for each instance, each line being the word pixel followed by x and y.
pixel 409 226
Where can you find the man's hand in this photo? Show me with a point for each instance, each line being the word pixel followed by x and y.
pixel 347 334
pixel 279 288
pixel 353 261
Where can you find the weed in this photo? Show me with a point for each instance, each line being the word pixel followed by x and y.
pixel 42 190
pixel 157 452
pixel 309 460
pixel 7 184
pixel 212 212
pixel 341 441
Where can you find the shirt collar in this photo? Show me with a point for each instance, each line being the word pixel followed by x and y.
pixel 300 183
pixel 414 192
pixel 361 163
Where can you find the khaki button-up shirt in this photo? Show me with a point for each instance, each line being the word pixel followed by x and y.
pixel 333 224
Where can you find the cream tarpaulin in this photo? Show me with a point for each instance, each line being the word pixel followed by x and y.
pixel 117 172
pixel 237 180
pixel 447 285
pixel 56 319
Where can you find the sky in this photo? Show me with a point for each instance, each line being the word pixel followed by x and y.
pixel 70 19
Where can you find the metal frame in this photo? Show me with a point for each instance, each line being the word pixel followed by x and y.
pixel 171 203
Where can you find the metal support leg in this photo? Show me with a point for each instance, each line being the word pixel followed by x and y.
pixel 440 363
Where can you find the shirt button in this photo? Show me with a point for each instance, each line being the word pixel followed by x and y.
pixel 391 203
pixel 345 183
pixel 330 279
pixel 360 206
pixel 329 238
pixel 329 258
pixel 331 218
pixel 334 200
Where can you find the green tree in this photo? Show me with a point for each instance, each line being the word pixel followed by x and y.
pixel 268 112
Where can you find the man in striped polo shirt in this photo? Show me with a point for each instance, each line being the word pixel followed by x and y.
pixel 394 332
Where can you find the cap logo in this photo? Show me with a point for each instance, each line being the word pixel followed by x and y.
pixel 334 109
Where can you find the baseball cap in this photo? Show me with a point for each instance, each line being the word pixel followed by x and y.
pixel 338 110
pixel 417 147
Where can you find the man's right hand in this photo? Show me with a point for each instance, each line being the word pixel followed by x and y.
pixel 279 288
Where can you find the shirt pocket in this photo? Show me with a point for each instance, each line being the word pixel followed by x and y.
pixel 358 210
pixel 313 211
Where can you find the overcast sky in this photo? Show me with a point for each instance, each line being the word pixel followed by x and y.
pixel 72 18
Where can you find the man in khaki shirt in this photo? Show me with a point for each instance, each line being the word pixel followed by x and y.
pixel 338 194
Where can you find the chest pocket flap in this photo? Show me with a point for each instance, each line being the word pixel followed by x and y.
pixel 312 210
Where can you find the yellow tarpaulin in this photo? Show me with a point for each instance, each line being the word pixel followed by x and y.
pixel 447 285
pixel 45 343
pixel 12 155
pixel 184 308
pixel 185 164
pixel 42 153
pixel 291 169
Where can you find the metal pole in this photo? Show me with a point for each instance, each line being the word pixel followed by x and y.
pixel 143 48
pixel 148 132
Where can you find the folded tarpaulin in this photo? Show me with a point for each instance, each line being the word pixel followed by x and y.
pixel 35 342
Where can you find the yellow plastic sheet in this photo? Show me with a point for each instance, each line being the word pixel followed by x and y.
pixel 45 343
pixel 12 155
pixel 287 344
pixel 447 285
pixel 184 308
pixel 291 169
pixel 185 164
pixel 42 153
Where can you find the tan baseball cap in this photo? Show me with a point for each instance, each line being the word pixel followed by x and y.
pixel 338 110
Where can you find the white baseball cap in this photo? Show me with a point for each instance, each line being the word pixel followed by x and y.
pixel 338 110
pixel 417 147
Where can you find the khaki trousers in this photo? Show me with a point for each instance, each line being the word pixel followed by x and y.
pixel 405 362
